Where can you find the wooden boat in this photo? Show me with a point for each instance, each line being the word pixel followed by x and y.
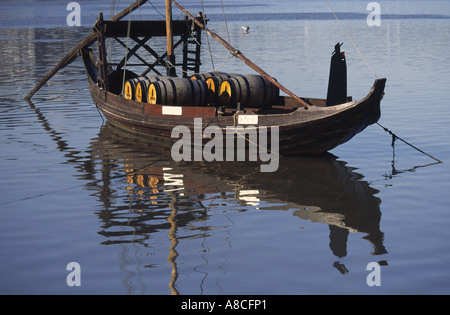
pixel 306 125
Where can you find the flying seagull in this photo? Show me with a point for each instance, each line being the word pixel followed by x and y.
pixel 246 29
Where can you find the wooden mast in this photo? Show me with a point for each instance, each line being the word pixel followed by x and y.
pixel 170 52
pixel 239 55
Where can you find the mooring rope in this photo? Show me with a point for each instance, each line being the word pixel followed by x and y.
pixel 394 136
pixel 88 184
pixel 124 175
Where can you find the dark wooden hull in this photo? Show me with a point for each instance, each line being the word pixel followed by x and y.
pixel 313 131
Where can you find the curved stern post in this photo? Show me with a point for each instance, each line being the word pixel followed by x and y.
pixel 337 82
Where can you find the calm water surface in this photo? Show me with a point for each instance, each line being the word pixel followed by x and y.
pixel 75 189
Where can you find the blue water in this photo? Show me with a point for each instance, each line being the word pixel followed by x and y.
pixel 74 189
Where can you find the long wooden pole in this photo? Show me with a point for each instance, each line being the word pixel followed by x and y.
pixel 239 55
pixel 170 52
pixel 87 41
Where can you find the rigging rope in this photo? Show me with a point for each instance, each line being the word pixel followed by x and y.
pixel 351 40
pixel 163 15
pixel 208 51
pixel 126 48
pixel 112 13
pixel 192 37
pixel 207 38
pixel 225 20
pixel 394 136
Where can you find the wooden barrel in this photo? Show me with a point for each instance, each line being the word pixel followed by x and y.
pixel 129 90
pixel 214 83
pixel 178 91
pixel 250 90
pixel 142 85
pixel 116 80
pixel 205 75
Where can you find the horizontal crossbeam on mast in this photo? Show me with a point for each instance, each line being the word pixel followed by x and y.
pixel 145 28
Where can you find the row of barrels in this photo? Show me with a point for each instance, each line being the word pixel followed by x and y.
pixel 203 89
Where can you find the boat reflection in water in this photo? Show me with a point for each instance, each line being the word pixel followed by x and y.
pixel 143 192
